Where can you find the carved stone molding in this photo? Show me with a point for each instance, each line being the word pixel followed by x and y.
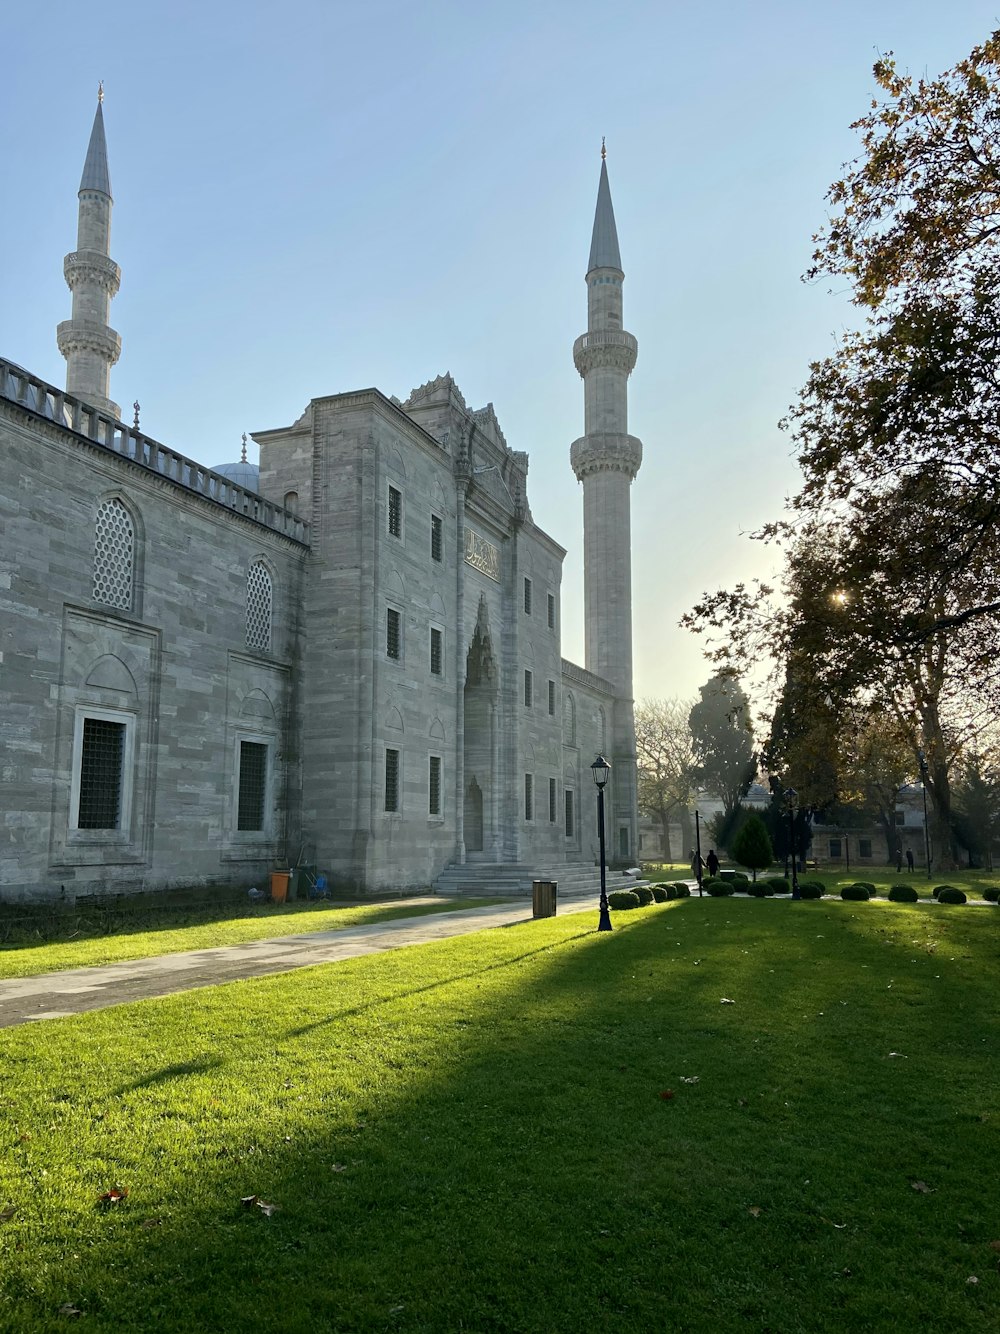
pixel 91 266
pixel 606 452
pixel 76 336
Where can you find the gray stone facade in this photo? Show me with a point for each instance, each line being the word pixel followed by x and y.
pixel 357 666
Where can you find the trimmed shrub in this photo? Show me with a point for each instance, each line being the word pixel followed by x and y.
pixel 738 878
pixel 757 890
pixel 719 888
pixel 856 893
pixel 660 893
pixel 778 883
pixel 949 894
pixel 681 890
pixel 644 894
pixel 938 888
pixel 991 895
pixel 903 894
pixel 811 889
pixel 623 899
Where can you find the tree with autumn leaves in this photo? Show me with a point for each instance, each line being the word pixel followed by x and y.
pixel 891 593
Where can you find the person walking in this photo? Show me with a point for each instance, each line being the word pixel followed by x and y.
pixel 697 862
pixel 712 862
pixel 899 857
pixel 909 859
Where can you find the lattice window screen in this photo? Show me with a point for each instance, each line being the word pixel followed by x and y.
pixel 258 606
pixel 114 555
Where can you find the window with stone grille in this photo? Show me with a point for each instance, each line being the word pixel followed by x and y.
pixel 395 512
pixel 102 776
pixel 551 605
pixel 434 786
pixel 393 634
pixel 527 597
pixel 569 719
pixel 251 808
pixel 529 796
pixel 529 688
pixel 552 801
pixel 114 555
pixel 259 600
pixel 436 652
pixel 437 538
pixel 392 780
pixel 552 697
pixel 569 813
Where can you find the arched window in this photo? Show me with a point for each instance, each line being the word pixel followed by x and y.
pixel 114 555
pixel 258 606
pixel 569 719
pixel 602 729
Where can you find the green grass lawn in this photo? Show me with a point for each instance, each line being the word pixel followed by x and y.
pixel 472 1135
pixel 271 921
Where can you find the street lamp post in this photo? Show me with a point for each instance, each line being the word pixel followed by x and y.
pixel 790 796
pixel 922 761
pixel 601 770
pixel 697 850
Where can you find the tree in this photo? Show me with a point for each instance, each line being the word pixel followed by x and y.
pixel 665 761
pixel 752 846
pixel 722 740
pixel 893 541
pixel 977 801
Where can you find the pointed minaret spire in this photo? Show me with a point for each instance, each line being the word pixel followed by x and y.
pixel 90 347
pixel 606 459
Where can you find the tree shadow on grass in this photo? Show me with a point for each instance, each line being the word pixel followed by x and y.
pixel 490 1151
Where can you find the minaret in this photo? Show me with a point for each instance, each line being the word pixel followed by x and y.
pixel 90 347
pixel 605 459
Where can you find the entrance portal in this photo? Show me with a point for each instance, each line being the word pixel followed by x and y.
pixel 481 687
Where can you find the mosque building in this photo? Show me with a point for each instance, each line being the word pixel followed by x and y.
pixel 349 657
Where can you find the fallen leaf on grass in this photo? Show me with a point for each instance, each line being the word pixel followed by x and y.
pixel 266 1208
pixel 248 1201
pixel 68 1309
pixel 922 1187
pixel 151 1222
pixel 995 1245
pixel 972 1279
pixel 667 1094
pixel 829 1221
pixel 754 1210
pixel 113 1196
pixel 338 1167
pixel 897 1053
pixel 726 1001
pixel 7 1214
pixel 690 1079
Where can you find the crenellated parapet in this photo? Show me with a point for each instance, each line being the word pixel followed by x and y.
pixel 603 348
pixel 90 266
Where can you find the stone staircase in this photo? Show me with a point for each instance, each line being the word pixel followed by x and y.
pixel 513 879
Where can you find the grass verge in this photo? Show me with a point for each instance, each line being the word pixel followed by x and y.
pixel 471 1135
pixel 270 922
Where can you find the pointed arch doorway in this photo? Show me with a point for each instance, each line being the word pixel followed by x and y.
pixel 482 683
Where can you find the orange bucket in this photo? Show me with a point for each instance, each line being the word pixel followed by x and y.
pixel 279 885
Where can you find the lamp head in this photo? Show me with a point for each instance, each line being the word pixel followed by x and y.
pixel 601 770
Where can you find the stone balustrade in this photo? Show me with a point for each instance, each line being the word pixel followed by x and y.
pixel 34 395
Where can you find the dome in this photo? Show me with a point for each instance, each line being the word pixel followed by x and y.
pixel 242 473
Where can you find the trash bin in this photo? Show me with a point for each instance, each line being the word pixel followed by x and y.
pixel 279 885
pixel 303 878
pixel 543 898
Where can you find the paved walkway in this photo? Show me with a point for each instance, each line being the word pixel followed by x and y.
pixel 55 995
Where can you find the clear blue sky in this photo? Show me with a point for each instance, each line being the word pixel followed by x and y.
pixel 315 197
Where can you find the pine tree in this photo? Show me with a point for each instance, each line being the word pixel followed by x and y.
pixel 752 846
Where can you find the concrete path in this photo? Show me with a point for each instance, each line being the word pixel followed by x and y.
pixel 55 995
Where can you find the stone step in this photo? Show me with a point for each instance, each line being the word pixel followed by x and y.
pixel 514 879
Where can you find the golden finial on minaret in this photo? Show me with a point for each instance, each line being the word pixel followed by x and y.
pixel 243 456
pixel 604 151
pixel 100 91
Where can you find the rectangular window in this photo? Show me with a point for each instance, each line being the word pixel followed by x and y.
pixel 393 636
pixel 527 597
pixel 569 812
pixel 529 688
pixel 864 847
pixel 835 847
pixel 900 817
pixel 529 797
pixel 253 786
pixel 551 611
pixel 552 801
pixel 552 698
pixel 437 538
pixel 102 775
pixel 436 652
pixel 392 780
pixel 434 786
pixel 623 841
pixel 395 512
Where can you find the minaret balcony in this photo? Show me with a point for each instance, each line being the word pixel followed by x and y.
pixel 605 347
pixel 606 451
pixel 76 336
pixel 92 266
